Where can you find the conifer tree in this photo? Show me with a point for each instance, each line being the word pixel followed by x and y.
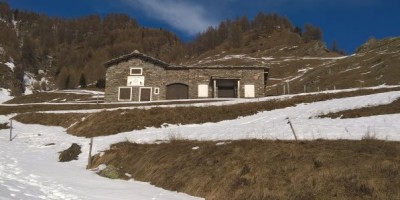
pixel 82 81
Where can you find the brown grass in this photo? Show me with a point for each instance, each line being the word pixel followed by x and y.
pixel 392 108
pixel 8 109
pixel 53 97
pixel 128 120
pixel 4 126
pixel 255 169
pixel 50 119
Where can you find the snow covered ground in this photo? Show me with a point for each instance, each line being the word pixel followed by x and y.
pixel 29 167
pixel 29 170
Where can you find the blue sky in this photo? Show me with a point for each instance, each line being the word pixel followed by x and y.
pixel 349 22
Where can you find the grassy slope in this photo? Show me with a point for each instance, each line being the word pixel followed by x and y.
pixel 121 121
pixel 368 111
pixel 265 169
pixel 8 109
pixel 53 97
pixel 135 119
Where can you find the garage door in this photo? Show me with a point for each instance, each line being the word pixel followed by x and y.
pixel 226 92
pixel 226 88
pixel 177 91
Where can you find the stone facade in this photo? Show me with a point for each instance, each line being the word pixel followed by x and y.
pixel 157 76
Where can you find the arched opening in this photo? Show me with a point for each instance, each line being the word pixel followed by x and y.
pixel 177 91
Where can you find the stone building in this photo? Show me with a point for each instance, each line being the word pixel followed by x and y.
pixel 138 77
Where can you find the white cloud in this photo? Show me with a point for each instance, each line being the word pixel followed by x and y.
pixel 183 15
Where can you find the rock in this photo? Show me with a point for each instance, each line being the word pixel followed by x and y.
pixel 71 153
pixel 110 172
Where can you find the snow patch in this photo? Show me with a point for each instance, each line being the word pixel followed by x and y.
pixel 373 66
pixel 351 69
pixel 5 95
pixel 368 72
pixel 10 65
pixel 267 58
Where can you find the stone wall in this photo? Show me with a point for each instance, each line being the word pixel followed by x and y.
pixel 157 76
pixel 117 76
pixel 246 77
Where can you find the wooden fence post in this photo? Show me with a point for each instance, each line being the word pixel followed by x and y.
pixel 11 127
pixel 89 165
pixel 284 89
pixel 291 126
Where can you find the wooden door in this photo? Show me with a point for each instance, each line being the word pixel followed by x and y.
pixel 145 94
pixel 124 94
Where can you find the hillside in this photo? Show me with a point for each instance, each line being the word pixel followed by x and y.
pixel 62 51
pixel 38 52
pixel 311 67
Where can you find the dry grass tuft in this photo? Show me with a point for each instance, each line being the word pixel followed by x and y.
pixel 255 169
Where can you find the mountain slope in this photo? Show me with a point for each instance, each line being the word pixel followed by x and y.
pixel 50 52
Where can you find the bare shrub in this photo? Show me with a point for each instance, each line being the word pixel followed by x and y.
pixel 71 153
pixel 175 136
pixel 4 126
pixel 369 135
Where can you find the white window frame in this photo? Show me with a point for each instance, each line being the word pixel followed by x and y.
pixel 249 88
pixel 130 98
pixel 151 93
pixel 200 92
pixel 135 77
pixel 141 71
pixel 156 90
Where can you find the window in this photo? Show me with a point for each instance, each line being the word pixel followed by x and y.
pixel 124 94
pixel 136 71
pixel 156 90
pixel 249 91
pixel 202 90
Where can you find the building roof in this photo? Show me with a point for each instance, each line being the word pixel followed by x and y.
pixel 146 58
pixel 136 54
